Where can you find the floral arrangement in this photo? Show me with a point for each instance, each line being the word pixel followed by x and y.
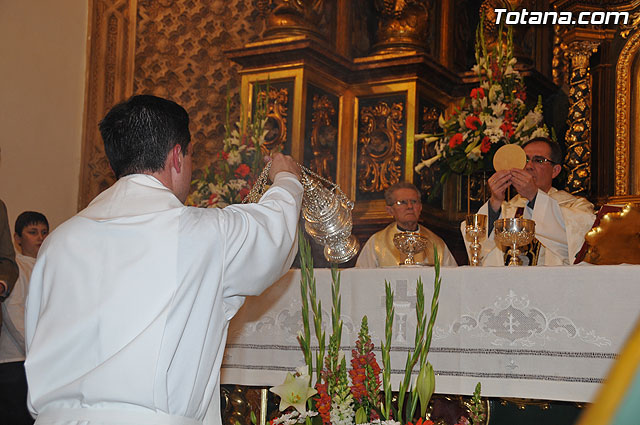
pixel 363 394
pixel 236 167
pixel 494 114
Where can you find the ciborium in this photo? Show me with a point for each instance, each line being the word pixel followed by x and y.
pixel 475 231
pixel 514 233
pixel 410 243
pixel 326 211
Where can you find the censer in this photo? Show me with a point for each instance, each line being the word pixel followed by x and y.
pixel 326 212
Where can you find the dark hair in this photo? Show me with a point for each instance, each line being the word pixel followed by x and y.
pixel 556 150
pixel 28 218
pixel 388 194
pixel 140 132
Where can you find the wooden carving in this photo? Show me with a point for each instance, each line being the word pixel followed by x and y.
pixel 324 136
pixel 380 146
pixel 276 125
pixel 110 77
pixel 172 49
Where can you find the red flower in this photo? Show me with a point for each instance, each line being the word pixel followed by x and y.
pixel 485 145
pixel 422 422
pixel 225 155
pixel 212 198
pixel 522 95
pixel 472 122
pixel 507 129
pixel 495 70
pixel 509 115
pixel 477 93
pixel 242 170
pixel 323 403
pixel 455 140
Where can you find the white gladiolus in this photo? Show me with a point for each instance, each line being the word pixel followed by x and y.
pixel 539 132
pixel 234 158
pixel 529 121
pixel 509 70
pixel 495 93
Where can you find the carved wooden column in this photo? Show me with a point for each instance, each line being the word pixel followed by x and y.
pixel 110 70
pixel 578 137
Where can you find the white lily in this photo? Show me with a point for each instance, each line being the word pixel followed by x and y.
pixel 427 162
pixel 427 138
pixel 294 392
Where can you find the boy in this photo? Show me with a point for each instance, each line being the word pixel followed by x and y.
pixel 30 230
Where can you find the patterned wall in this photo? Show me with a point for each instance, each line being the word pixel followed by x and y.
pixel 180 55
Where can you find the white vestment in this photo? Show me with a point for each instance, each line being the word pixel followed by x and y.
pixel 12 334
pixel 562 221
pixel 130 300
pixel 372 254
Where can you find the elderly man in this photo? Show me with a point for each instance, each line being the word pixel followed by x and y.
pixel 130 300
pixel 562 220
pixel 403 203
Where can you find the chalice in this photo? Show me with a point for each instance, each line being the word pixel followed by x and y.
pixel 410 243
pixel 514 233
pixel 475 232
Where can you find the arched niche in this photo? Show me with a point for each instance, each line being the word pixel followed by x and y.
pixel 627 143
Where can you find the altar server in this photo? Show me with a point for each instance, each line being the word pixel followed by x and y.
pixel 562 220
pixel 30 230
pixel 130 300
pixel 404 205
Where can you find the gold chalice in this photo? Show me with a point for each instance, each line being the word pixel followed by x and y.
pixel 514 233
pixel 410 243
pixel 475 232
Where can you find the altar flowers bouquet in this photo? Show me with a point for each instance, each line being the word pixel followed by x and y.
pixel 236 167
pixel 494 114
pixel 363 394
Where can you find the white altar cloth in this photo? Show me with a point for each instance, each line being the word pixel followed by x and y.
pixel 531 332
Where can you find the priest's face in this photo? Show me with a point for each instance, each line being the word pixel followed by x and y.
pixel 539 165
pixel 406 208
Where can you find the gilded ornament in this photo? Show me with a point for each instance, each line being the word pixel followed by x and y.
pixel 402 25
pixel 324 136
pixel 294 17
pixel 623 108
pixel 616 240
pixel 578 137
pixel 380 149
pixel 276 125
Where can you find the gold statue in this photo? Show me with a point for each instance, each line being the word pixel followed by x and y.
pixel 403 25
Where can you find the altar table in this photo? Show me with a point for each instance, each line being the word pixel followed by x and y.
pixel 530 332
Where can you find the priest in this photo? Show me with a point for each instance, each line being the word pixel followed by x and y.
pixel 404 205
pixel 562 220
pixel 130 300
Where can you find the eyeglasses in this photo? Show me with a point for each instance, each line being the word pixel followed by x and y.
pixel 406 202
pixel 539 160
